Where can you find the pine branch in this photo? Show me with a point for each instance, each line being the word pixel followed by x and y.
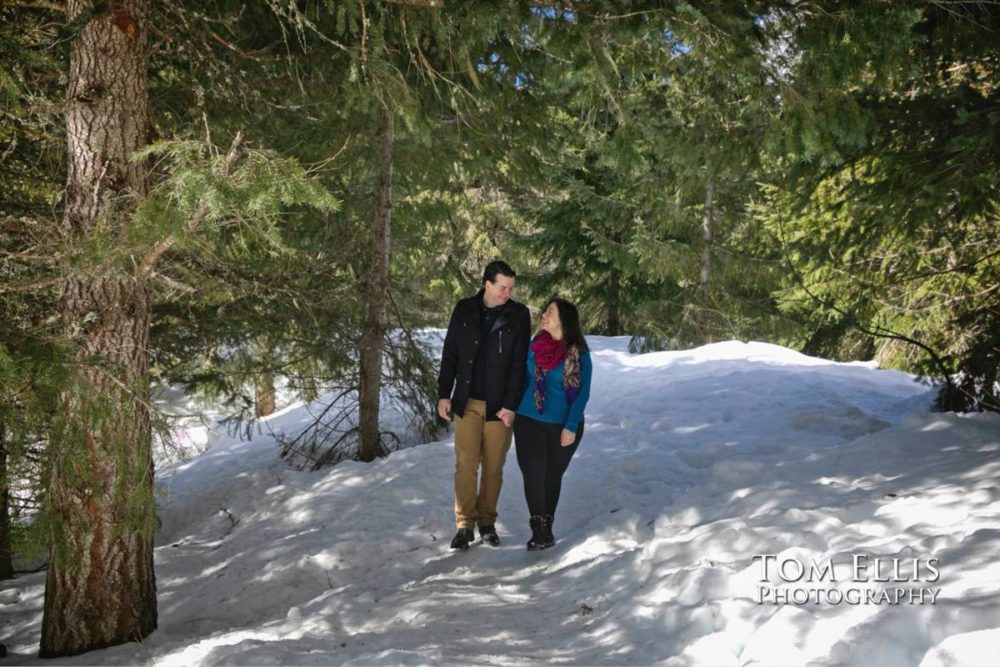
pixel 33 286
pixel 434 4
pixel 46 6
pixel 852 319
pixel 145 268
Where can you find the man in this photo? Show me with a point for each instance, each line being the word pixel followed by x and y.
pixel 485 351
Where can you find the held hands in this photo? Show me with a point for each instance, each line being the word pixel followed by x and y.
pixel 444 407
pixel 568 438
pixel 506 416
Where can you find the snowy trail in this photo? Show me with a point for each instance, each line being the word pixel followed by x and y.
pixel 692 463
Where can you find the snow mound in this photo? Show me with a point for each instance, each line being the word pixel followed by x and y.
pixel 692 464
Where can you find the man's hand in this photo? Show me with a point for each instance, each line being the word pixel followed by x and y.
pixel 506 416
pixel 568 438
pixel 444 407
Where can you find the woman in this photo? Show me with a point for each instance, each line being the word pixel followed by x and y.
pixel 549 422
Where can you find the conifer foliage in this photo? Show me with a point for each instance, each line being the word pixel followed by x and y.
pixel 885 207
pixel 235 197
pixel 85 284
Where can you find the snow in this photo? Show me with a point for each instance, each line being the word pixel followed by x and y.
pixel 692 463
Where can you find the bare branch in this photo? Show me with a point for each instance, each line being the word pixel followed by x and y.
pixel 434 4
pixel 46 6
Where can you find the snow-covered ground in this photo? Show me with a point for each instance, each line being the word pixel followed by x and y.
pixel 698 469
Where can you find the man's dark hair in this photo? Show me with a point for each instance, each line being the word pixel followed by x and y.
pixel 495 267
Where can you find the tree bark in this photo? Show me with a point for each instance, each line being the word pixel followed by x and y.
pixel 378 289
pixel 706 232
pixel 614 301
pixel 6 555
pixel 263 395
pixel 100 588
pixel 264 403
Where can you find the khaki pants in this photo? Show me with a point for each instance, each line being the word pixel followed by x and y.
pixel 478 442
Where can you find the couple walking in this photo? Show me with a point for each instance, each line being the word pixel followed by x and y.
pixel 496 378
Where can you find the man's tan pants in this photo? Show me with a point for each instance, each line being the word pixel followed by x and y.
pixel 478 442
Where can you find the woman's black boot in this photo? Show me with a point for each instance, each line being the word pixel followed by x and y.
pixel 537 540
pixel 548 539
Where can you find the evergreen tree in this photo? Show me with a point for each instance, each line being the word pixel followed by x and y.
pixel 100 587
pixel 98 271
pixel 655 124
pixel 885 206
pixel 31 166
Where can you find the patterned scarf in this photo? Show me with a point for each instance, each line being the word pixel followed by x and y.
pixel 549 353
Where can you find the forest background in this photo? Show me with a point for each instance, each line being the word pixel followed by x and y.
pixel 233 197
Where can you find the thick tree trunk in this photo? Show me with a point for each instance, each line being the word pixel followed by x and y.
pixel 378 290
pixel 100 589
pixel 6 555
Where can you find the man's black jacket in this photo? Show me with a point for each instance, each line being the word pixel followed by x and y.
pixel 506 355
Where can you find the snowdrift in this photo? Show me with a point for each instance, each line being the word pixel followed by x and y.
pixel 711 486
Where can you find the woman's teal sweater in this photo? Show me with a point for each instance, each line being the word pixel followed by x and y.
pixel 556 411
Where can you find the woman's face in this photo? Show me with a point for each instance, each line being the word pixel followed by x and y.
pixel 550 321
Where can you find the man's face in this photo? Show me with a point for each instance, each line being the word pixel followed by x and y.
pixel 498 291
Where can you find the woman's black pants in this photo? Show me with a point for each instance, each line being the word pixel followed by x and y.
pixel 542 460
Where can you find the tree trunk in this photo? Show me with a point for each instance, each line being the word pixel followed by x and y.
pixel 6 555
pixel 706 232
pixel 100 589
pixel 614 309
pixel 264 403
pixel 263 398
pixel 706 256
pixel 378 290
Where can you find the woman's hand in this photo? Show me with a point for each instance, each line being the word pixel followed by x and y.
pixel 506 416
pixel 568 438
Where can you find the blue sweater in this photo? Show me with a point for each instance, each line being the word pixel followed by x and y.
pixel 556 411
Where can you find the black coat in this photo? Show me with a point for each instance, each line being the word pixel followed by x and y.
pixel 506 355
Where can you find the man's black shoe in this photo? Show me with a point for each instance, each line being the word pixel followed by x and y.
pixel 463 538
pixel 488 535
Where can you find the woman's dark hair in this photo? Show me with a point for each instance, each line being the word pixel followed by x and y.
pixel 569 317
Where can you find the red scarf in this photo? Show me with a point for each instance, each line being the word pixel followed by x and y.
pixel 549 352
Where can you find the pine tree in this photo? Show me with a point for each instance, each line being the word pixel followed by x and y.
pixel 885 205
pixel 100 586
pixel 75 388
pixel 654 122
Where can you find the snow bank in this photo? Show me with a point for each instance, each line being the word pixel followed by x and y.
pixel 692 464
